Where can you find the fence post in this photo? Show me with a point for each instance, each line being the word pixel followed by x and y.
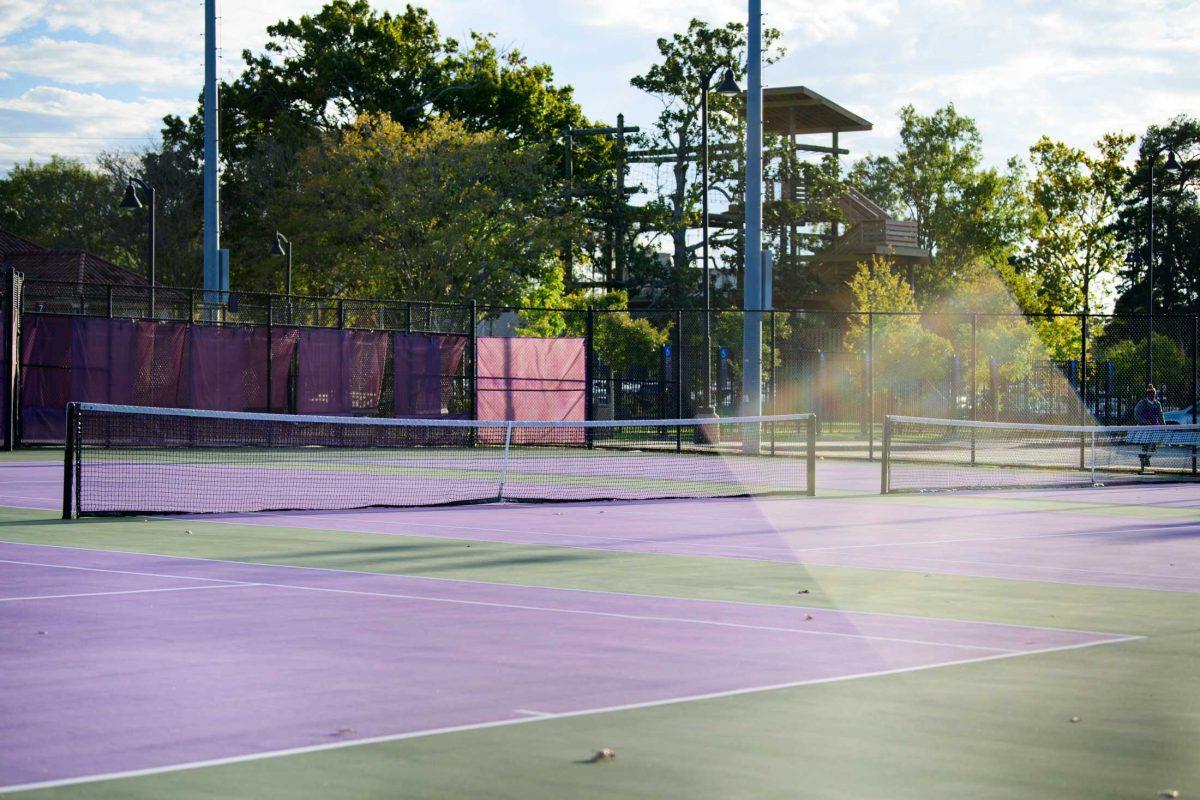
pixel 1083 376
pixel 974 379
pixel 474 361
pixel 589 330
pixel 10 319
pixel 871 385
pixel 108 304
pixel 270 355
pixel 678 377
pixel 341 313
pixel 1195 357
pixel 773 407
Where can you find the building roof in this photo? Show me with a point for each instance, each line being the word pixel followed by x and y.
pixel 71 266
pixel 11 243
pixel 798 110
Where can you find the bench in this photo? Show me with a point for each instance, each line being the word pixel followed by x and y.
pixel 1149 439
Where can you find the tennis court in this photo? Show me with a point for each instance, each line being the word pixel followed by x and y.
pixel 998 643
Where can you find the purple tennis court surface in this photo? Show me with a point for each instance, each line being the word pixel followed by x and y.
pixel 1138 536
pixel 119 662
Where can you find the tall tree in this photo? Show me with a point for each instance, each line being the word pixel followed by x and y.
pixel 675 82
pixel 64 204
pixel 965 213
pixel 319 73
pixel 1176 220
pixel 1074 252
pixel 441 213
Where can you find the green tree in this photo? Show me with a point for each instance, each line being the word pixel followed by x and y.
pixel 903 349
pixel 1129 362
pixel 1074 251
pixel 675 82
pixel 1176 220
pixel 965 213
pixel 65 205
pixel 319 73
pixel 440 213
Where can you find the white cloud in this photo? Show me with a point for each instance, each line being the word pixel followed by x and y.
pixel 17 14
pixel 75 62
pixel 91 114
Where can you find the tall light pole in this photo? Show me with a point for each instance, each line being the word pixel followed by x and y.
pixel 212 188
pixel 752 283
pixel 131 200
pixel 282 246
pixel 727 88
pixel 1172 165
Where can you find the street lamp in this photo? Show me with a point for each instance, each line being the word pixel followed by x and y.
pixel 131 200
pixel 1172 165
pixel 282 246
pixel 727 88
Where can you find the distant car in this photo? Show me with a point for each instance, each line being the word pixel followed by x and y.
pixel 1181 417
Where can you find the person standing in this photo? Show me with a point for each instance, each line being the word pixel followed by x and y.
pixel 1149 411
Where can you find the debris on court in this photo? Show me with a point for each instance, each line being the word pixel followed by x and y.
pixel 343 731
pixel 1074 719
pixel 1169 793
pixel 802 591
pixel 603 754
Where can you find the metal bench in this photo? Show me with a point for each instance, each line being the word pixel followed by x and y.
pixel 1152 437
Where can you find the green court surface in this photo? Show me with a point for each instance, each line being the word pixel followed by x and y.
pixel 1117 721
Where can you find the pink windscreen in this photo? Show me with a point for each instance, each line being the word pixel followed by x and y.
pixel 227 367
pixel 531 379
pixel 340 371
pixel 45 377
pixel 425 368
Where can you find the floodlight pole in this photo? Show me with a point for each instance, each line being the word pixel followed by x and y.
pixel 752 282
pixel 212 217
pixel 705 84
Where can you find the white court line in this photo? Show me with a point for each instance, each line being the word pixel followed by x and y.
pixel 531 713
pixel 316 748
pixel 332 571
pixel 126 591
pixel 119 571
pixel 576 611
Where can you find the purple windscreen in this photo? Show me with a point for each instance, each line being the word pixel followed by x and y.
pixel 45 377
pixel 127 362
pixel 227 367
pixel 340 371
pixel 424 371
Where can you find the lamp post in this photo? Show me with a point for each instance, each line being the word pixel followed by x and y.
pixel 131 200
pixel 282 246
pixel 1172 165
pixel 727 88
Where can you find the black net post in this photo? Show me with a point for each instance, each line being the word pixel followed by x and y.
pixel 810 442
pixel 887 452
pixel 70 449
pixel 1195 358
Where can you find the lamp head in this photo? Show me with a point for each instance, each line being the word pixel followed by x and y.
pixel 1172 164
pixel 130 200
pixel 728 87
pixel 277 245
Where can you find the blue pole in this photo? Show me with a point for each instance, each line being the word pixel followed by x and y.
pixel 752 295
pixel 212 231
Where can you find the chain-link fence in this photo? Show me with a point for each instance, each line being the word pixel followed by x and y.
pixel 850 368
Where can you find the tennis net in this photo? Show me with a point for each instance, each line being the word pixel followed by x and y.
pixel 132 459
pixel 924 454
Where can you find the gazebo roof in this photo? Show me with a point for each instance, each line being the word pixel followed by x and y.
pixel 798 110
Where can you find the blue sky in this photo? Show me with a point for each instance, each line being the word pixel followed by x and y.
pixel 79 76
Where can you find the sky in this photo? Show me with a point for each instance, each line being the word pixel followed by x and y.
pixel 81 76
